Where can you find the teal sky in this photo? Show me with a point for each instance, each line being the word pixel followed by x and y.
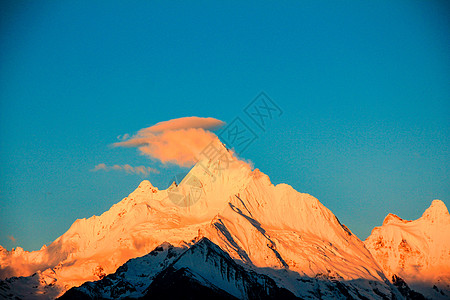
pixel 364 89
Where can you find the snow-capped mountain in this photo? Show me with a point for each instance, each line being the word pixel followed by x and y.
pixel 273 231
pixel 201 271
pixel 417 251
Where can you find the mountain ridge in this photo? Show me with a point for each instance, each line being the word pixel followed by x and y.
pixel 418 251
pixel 222 277
pixel 284 234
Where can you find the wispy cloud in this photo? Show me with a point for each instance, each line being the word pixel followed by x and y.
pixel 177 141
pixel 123 137
pixel 12 239
pixel 142 170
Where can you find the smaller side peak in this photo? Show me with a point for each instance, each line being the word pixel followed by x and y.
pixel 392 218
pixel 205 243
pixel 439 205
pixel 18 251
pixel 436 210
pixel 146 185
pixel 205 240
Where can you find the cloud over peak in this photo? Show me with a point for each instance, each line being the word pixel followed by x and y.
pixel 185 123
pixel 177 141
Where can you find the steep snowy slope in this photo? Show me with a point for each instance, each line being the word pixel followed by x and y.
pixel 204 264
pixel 205 271
pixel 133 278
pixel 134 226
pixel 418 251
pixel 275 230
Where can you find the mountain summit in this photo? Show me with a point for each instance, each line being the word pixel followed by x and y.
pixel 437 212
pixel 273 231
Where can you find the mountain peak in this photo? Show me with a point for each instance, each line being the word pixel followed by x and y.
pixel 417 250
pixel 145 184
pixel 392 218
pixel 436 211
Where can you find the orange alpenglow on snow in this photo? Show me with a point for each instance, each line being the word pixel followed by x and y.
pixel 272 229
pixel 418 251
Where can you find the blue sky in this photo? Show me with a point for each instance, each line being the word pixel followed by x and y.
pixel 364 89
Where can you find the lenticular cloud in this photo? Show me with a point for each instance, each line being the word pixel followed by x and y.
pixel 177 141
pixel 184 123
